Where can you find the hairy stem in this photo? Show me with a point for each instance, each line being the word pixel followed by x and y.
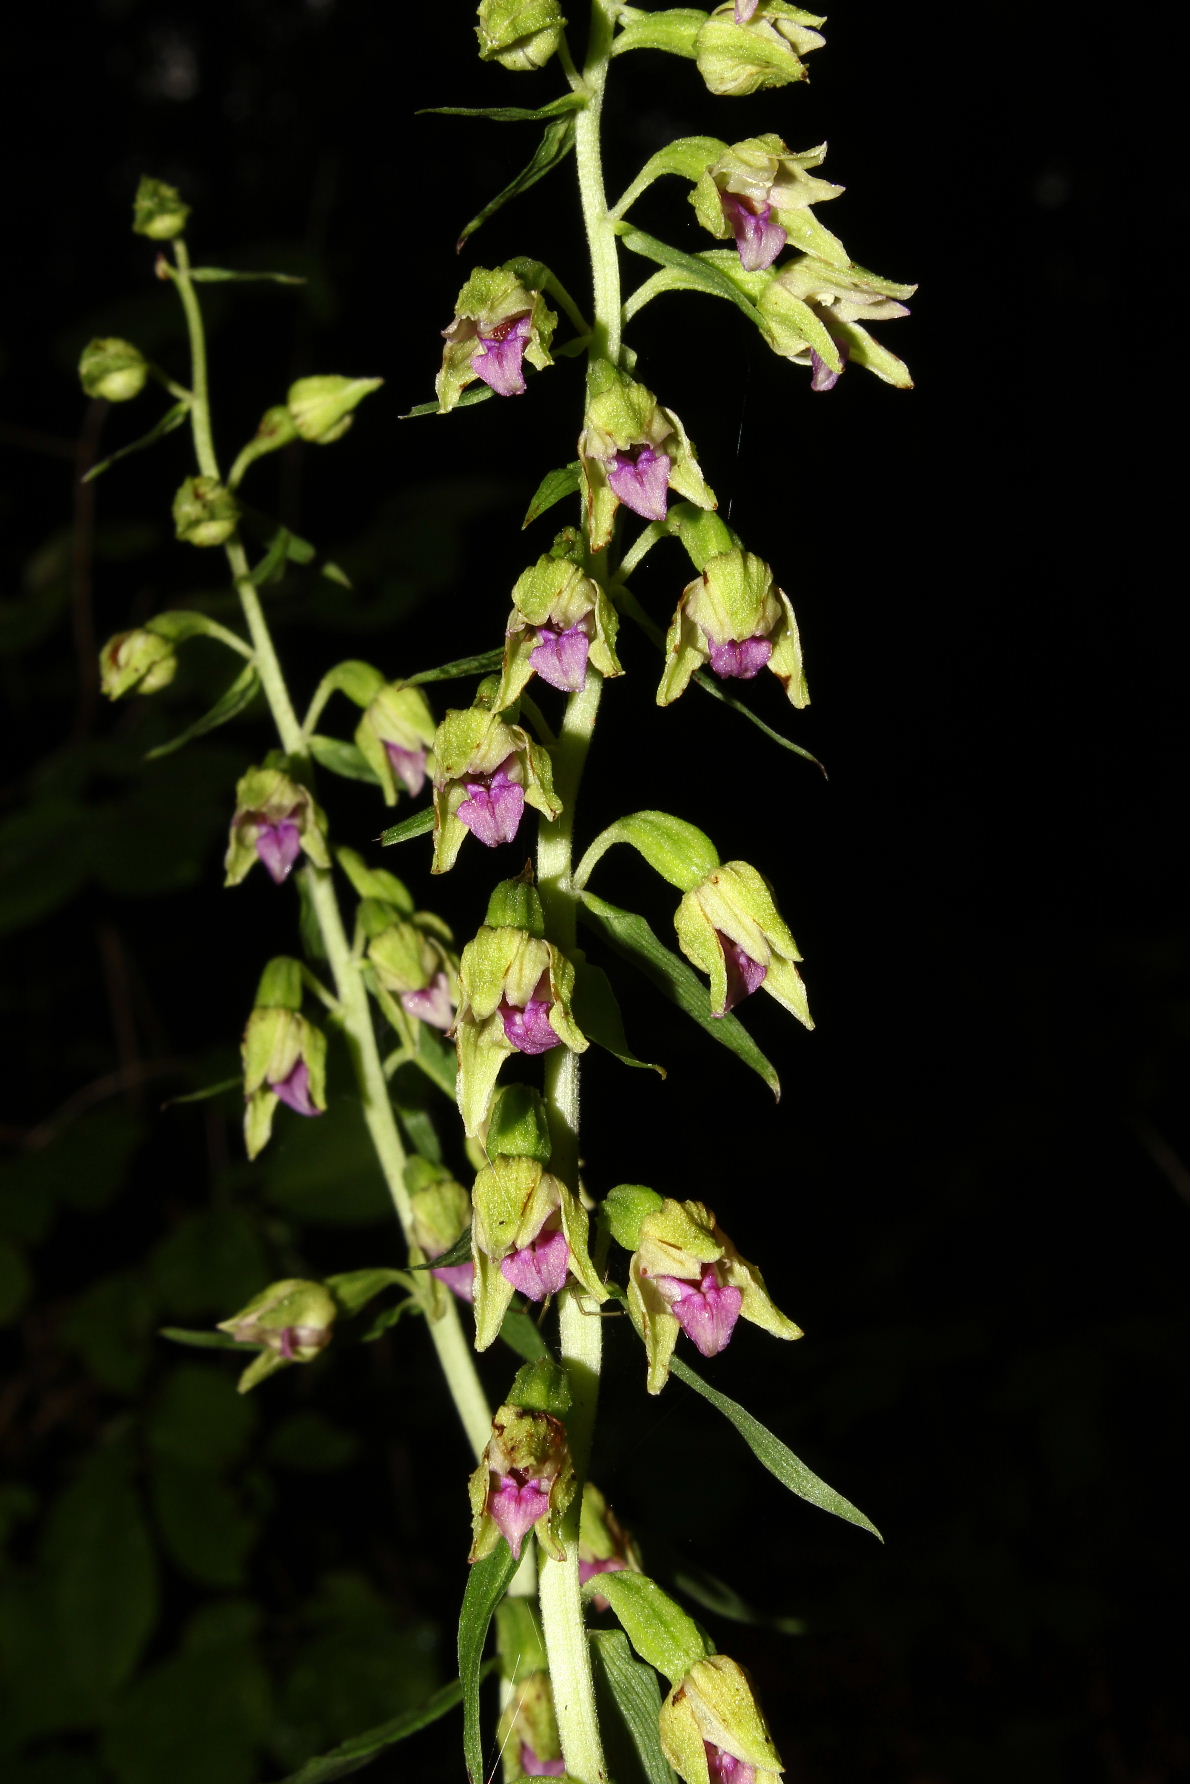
pixel 355 1017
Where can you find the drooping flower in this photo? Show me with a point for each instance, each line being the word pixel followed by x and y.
pixel 529 1233
pixel 760 192
pixel 812 311
pixel 521 35
pixel 486 772
pixel 686 1275
pixel 284 1060
pixel 634 451
pixel 441 1216
pixel 291 1322
pixel 514 996
pixel 524 1481
pixel 712 1730
pixel 275 821
pixel 561 623
pixel 395 736
pixel 413 964
pixel 729 927
pixel 734 618
pixel 747 45
pixel 139 662
pixel 500 321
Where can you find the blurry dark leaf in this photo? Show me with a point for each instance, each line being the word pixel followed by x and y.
pixel 196 1718
pixel 238 697
pixel 632 1699
pixel 351 1756
pixel 338 757
pixel 44 858
pixel 197 1418
pixel 110 1328
pixel 310 1443
pixel 325 1170
pixel 204 1527
pixel 173 418
pixel 353 1289
pixel 16 1282
pixel 556 143
pixel 212 1263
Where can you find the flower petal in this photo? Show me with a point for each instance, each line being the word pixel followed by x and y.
pixel 530 1029
pixel 494 809
pixel 757 237
pixel 498 361
pixel 515 1504
pixel 294 1090
pixel 740 659
pixel 432 1004
pixel 539 1268
pixel 561 658
pixel 409 766
pixel 640 478
pixel 279 846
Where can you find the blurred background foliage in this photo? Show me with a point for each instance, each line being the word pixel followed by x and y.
pixel 975 1191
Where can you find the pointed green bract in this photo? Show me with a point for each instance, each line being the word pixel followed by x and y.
pixel 660 1631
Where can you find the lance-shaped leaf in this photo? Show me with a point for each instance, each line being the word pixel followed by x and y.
pixel 680 852
pixel 338 757
pixel 481 664
pixel 509 114
pixel 774 1455
pixel 417 825
pixel 487 1582
pixel 597 1012
pixel 352 1755
pixel 697 273
pixel 632 1699
pixel 283 547
pixel 556 143
pixel 169 421
pixel 660 1631
pixel 631 936
pixel 222 275
pixel 554 487
pixel 478 393
pixel 239 695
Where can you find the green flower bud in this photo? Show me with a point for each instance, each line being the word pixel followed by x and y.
pixel 686 1275
pixel 158 211
pixel 633 451
pixel 524 1482
pixel 514 996
pixel 284 1058
pixel 519 34
pixel 499 322
pixel 736 59
pixel 735 618
pixel 205 513
pixel 113 369
pixel 395 736
pixel 276 819
pixel 519 1126
pixel 712 1715
pixel 730 928
pixel 486 772
pixel 529 1232
pixel 137 662
pixel 291 1321
pixel 321 408
pixel 561 621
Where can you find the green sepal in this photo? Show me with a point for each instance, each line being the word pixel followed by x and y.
pixel 158 211
pixel 516 904
pixel 541 1386
pixel 280 986
pixel 660 1631
pixel 624 1207
pixel 113 369
pixel 680 852
pixel 675 31
pixel 735 901
pixel 522 35
pixel 519 1126
pixel 322 407
pixel 713 1705
pixel 205 513
pixel 703 535
pixel 735 60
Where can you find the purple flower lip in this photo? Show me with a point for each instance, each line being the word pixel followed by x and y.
pixel 499 364
pixel 432 1003
pixel 409 766
pixel 757 237
pixel 823 378
pixel 725 1768
pixel 515 1504
pixel 279 846
pixel 533 1767
pixel 744 10
pixel 706 1310
pixel 640 478
pixel 740 660
pixel 744 975
pixel 539 1268
pixel 530 1029
pixel 294 1090
pixel 561 657
pixel 459 1279
pixel 495 805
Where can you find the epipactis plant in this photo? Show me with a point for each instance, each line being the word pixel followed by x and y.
pixel 487 1182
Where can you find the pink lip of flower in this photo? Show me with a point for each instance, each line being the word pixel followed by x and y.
pixel 640 478
pixel 499 363
pixel 561 658
pixel 530 1029
pixel 725 1768
pixel 740 659
pixel 823 378
pixel 533 1767
pixel 515 1504
pixel 294 1090
pixel 459 1279
pixel 432 1004
pixel 744 10
pixel 744 975
pixel 541 1267
pixel 706 1310
pixel 409 766
pixel 495 807
pixel 757 237
pixel 279 846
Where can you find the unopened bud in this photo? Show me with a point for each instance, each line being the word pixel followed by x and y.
pixel 204 512
pixel 113 369
pixel 136 663
pixel 519 34
pixel 320 408
pixel 158 211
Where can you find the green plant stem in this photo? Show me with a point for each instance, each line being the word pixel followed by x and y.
pixel 580 1329
pixel 454 1351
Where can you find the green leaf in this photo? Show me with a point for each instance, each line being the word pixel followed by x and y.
pixel 487 1582
pixel 177 625
pixel 172 419
pixel 696 274
pixel 660 1631
pixel 229 705
pixel 482 664
pixel 519 1331
pixel 722 1600
pixel 337 757
pixel 687 156
pixel 353 1289
pixel 674 30
pixel 351 1756
pixel 197 1420
pixel 388 1317
pixel 458 1253
pixel 509 114
pixel 417 825
pixel 680 852
pixel 206 1530
pixel 198 1340
pixel 281 547
pixel 196 1717
pixel 556 143
pixel 477 393
pixel 631 936
pixel 554 487
pixel 597 1013
pixel 774 1455
pixel 204 1095
pixel 632 1699
pixel 16 1282
pixel 222 275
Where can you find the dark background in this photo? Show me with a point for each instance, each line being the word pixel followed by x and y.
pixel 974 1193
